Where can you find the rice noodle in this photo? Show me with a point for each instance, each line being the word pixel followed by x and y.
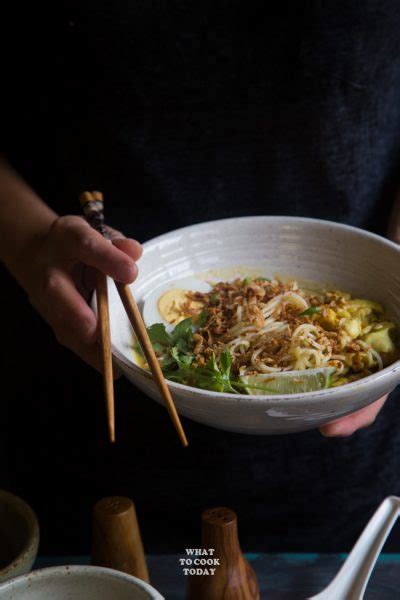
pixel 377 357
pixel 269 326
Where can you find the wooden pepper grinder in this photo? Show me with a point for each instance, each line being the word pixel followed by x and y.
pixel 116 539
pixel 234 579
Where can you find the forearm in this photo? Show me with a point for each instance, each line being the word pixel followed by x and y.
pixel 49 256
pixel 24 219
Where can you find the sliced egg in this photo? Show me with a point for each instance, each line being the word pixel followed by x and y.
pixel 165 304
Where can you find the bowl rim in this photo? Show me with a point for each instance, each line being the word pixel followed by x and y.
pixel 314 395
pixel 81 570
pixel 311 220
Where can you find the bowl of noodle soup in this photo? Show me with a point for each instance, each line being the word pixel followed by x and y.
pixel 266 325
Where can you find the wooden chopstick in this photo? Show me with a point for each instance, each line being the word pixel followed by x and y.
pixel 104 329
pixel 92 203
pixel 140 330
pixel 106 354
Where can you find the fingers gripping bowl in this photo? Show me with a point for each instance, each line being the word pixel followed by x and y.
pixel 308 250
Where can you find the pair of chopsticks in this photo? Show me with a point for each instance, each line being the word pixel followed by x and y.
pixel 92 205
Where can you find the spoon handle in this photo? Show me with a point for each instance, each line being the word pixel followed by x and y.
pixel 352 579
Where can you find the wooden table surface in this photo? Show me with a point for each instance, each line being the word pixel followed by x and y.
pixel 280 576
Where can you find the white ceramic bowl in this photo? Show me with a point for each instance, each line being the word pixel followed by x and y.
pixel 79 583
pixel 19 536
pixel 344 257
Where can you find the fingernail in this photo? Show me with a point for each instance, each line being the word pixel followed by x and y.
pixel 325 432
pixel 333 431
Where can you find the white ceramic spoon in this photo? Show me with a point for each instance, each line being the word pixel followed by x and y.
pixel 352 579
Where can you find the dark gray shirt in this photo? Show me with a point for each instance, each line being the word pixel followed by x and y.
pixel 182 114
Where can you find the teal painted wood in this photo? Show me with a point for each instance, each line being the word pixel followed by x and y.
pixel 280 576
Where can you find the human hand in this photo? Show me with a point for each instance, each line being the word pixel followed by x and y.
pixel 358 420
pixel 57 274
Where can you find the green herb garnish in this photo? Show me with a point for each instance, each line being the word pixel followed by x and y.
pixel 216 375
pixel 202 318
pixel 159 337
pixel 182 335
pixel 176 350
pixel 310 311
pixel 213 299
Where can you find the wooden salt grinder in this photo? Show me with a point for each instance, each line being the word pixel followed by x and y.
pixel 116 540
pixel 234 579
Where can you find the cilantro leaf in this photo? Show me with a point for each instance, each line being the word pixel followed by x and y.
pixel 182 360
pixel 177 366
pixel 225 363
pixel 213 298
pixel 311 310
pixel 182 335
pixel 214 376
pixel 183 329
pixel 174 348
pixel 159 335
pixel 202 318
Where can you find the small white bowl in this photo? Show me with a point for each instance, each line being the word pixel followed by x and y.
pixel 79 583
pixel 337 255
